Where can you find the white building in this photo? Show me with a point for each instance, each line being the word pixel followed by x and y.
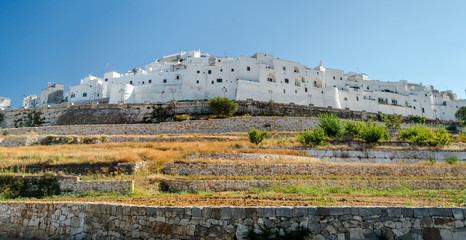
pixel 196 75
pixel 4 103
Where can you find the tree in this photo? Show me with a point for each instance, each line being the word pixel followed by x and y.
pixel 461 115
pixel 222 106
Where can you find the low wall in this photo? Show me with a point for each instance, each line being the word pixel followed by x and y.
pixel 193 185
pixel 114 221
pixel 81 168
pixel 184 168
pixel 374 155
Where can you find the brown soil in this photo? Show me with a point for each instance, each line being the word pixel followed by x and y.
pixel 276 199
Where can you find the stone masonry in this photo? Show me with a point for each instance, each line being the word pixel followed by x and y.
pixel 116 221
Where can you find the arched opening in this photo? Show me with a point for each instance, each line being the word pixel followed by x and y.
pixel 271 77
pixel 317 82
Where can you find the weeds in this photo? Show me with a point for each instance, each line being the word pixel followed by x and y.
pixel 451 159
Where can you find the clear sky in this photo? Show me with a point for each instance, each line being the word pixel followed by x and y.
pixel 62 41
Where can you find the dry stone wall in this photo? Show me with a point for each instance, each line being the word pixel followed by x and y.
pixel 73 185
pixel 193 185
pixel 115 221
pixel 184 168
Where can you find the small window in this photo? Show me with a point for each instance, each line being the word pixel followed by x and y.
pixel 341 78
pixel 198 71
pixel 221 70
pixel 142 82
pixel 73 95
pixel 84 94
pixel 269 79
pixel 212 82
pixel 423 110
pixel 284 91
pixel 295 91
pixel 333 77
pixel 197 81
pixel 131 82
pixel 357 98
pixel 98 95
pixel 219 80
pixel 426 94
pixel 177 77
pixel 209 72
pixel 287 80
pixel 284 68
pixel 232 69
pixel 317 72
pixel 249 68
pixel 367 87
pixel 414 107
pixel 165 81
pixel 346 99
pixel 90 85
pixel 305 89
pixel 106 79
pixel 219 60
pixel 150 81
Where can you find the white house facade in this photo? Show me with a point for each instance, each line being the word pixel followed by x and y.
pixel 195 75
pixel 4 103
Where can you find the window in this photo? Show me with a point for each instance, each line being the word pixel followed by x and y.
pixel 219 60
pixel 296 69
pixel 367 87
pixel 284 91
pixel 346 99
pixel 284 68
pixel 315 82
pixel 249 68
pixel 84 94
pixel 333 77
pixel 106 79
pixel 131 82
pixel 165 81
pixel 305 89
pixel 212 82
pixel 414 107
pixel 302 80
pixel 221 70
pixel 269 79
pixel 357 98
pixel 295 91
pixel 423 110
pixel 287 80
pixel 198 71
pixel 150 81
pixel 317 72
pixel 90 85
pixel 219 80
pixel 232 69
pixel 209 72
pixel 197 81
pixel 142 82
pixel 341 78
pixel 73 95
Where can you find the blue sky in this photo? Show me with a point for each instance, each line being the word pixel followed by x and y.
pixel 62 41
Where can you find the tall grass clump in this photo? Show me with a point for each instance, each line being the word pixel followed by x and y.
pixel 462 137
pixel 331 124
pixel 373 133
pixel 451 159
pixel 256 136
pixel 315 137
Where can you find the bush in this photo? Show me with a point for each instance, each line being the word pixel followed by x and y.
pixel 182 117
pixel 452 127
pixel 313 138
pixel 393 121
pixel 462 137
pixel 418 119
pixel 5 133
pixel 373 133
pixel 354 128
pixel 256 136
pixel 222 106
pixel 331 124
pixel 461 115
pixel 422 136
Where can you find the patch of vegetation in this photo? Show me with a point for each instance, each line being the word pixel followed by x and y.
pixel 392 121
pixel 256 136
pixel 460 115
pixel 451 159
pixel 182 117
pixel 2 117
pixel 462 137
pixel 354 128
pixel 5 133
pixel 431 159
pixel 32 119
pixel 418 119
pixel 373 133
pixel 315 137
pixel 424 136
pixel 28 187
pixel 331 124
pixel 451 127
pixel 222 106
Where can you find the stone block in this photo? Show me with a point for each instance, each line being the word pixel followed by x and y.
pixel 196 212
pixel 394 212
pixel 336 211
pixel 323 211
pixel 226 213
pixel 407 212
pixel 300 211
pixel 284 212
pixel 421 212
pixel 444 212
pixel 239 213
pixel 458 213
pixel 251 212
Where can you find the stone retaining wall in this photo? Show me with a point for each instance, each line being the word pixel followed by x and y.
pixel 81 168
pixel 193 185
pixel 73 185
pixel 373 155
pixel 115 221
pixel 184 168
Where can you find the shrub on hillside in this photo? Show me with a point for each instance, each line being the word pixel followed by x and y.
pixel 313 138
pixel 393 121
pixel 462 137
pixel 331 124
pixel 418 119
pixel 373 133
pixel 451 127
pixel 440 137
pixel 424 136
pixel 460 115
pixel 354 128
pixel 256 136
pixel 182 117
pixel 222 106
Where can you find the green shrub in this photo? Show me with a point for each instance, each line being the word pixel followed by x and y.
pixel 451 127
pixel 256 136
pixel 313 138
pixel 222 106
pixel 440 137
pixel 5 133
pixel 373 133
pixel 331 124
pixel 393 121
pixel 11 187
pixel 418 119
pixel 451 159
pixel 354 128
pixel 462 137
pixel 431 159
pixel 424 136
pixel 381 117
pixel 461 115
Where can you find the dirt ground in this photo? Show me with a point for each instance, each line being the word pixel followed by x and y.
pixel 276 199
